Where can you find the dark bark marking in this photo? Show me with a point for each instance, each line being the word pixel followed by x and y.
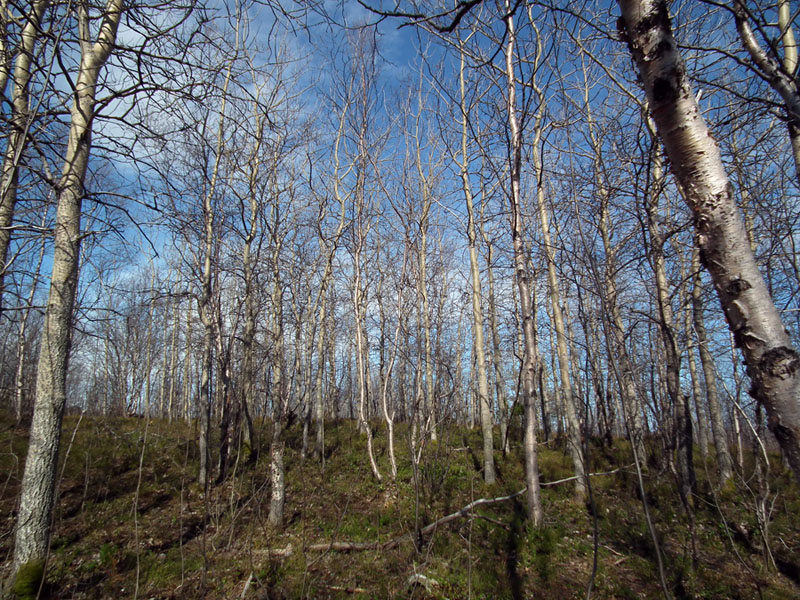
pixel 657 19
pixel 780 362
pixel 735 288
pixel 783 433
pixel 664 90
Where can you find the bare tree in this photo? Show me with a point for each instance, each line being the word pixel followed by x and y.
pixel 38 483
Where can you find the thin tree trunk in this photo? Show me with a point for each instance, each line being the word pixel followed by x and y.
pixel 279 401
pixel 724 462
pixel 20 122
pixel 19 375
pixel 694 376
pixel 428 408
pixel 533 492
pixel 682 425
pixel 477 309
pixel 172 360
pixel 359 305
pixel 574 445
pixel 205 307
pixel 187 367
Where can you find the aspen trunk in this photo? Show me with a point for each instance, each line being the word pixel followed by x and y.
pixel 187 367
pixel 682 425
pixel 428 408
pixel 724 462
pixel 499 375
pixel 359 304
pixel 19 375
pixel 574 445
pixel 172 360
pixel 279 401
pixel 772 363
pixel 694 376
pixel 19 125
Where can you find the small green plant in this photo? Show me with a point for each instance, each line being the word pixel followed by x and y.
pixel 107 554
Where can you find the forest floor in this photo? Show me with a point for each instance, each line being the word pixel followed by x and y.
pixel 132 522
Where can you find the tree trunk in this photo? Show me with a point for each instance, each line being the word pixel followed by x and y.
pixel 724 462
pixel 533 493
pixel 477 309
pixel 39 478
pixel 682 424
pixel 279 401
pixel 19 125
pixel 574 445
pixel 772 363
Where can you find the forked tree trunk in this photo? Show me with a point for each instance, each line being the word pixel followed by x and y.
pixel 772 363
pixel 39 478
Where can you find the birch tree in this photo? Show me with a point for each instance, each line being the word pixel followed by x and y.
pixel 771 361
pixel 38 483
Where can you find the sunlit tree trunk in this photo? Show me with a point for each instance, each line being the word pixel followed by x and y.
pixel 279 393
pixel 477 309
pixel 772 363
pixel 173 376
pixel 682 424
pixel 38 481
pixel 522 276
pixel 19 375
pixel 187 367
pixel 574 445
pixel 779 72
pixel 694 376
pixel 20 120
pixel 428 404
pixel 724 462
pixel 205 307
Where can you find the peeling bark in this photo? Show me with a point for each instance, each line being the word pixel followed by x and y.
pixel 772 363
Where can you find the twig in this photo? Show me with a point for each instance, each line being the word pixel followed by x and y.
pixel 346 590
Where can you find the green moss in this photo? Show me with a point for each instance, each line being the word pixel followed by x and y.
pixel 28 579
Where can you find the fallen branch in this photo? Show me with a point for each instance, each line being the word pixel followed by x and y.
pixel 356 546
pixel 346 590
pixel 428 529
pixel 574 477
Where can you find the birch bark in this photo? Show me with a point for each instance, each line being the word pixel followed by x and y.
pixel 772 363
pixel 38 482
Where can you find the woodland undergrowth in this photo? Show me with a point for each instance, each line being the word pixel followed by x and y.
pixel 153 533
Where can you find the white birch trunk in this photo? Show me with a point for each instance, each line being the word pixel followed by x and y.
pixel 533 492
pixel 772 363
pixel 38 481
pixel 20 123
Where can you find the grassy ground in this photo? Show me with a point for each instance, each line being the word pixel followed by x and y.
pixel 122 531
